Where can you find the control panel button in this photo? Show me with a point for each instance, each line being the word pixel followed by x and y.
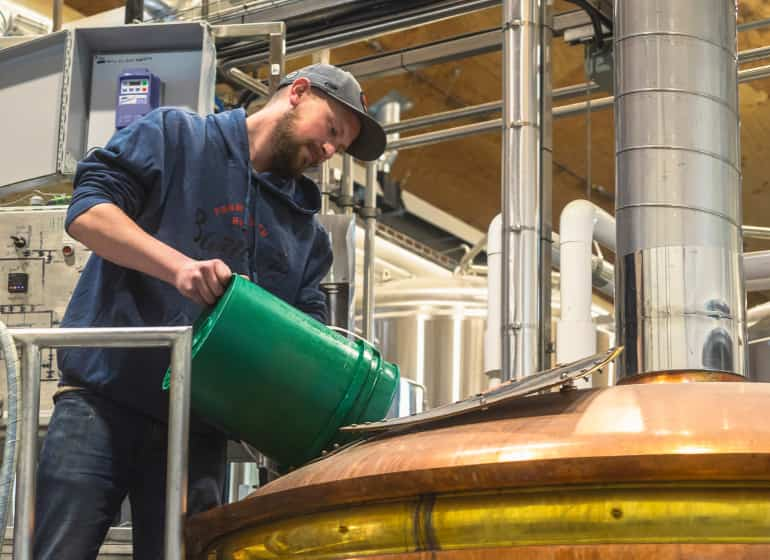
pixel 18 282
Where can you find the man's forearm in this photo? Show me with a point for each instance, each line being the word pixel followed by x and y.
pixel 111 234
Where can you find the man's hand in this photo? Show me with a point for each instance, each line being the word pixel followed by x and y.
pixel 203 281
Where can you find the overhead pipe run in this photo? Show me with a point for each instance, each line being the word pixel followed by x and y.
pixel 756 232
pixel 427 138
pixel 758 312
pixel 477 43
pixel 480 110
pixel 418 140
pixel 756 270
pixel 305 40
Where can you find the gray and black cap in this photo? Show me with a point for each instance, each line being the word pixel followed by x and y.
pixel 342 86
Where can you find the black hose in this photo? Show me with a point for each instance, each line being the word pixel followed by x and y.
pixel 356 18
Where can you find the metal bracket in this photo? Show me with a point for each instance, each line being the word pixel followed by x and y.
pixel 345 200
pixel 367 212
pixel 502 394
pixel 275 32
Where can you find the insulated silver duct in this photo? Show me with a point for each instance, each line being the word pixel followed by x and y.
pixel 526 176
pixel 680 297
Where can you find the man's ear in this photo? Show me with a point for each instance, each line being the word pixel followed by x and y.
pixel 299 88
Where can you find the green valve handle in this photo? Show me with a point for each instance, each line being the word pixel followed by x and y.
pixel 269 374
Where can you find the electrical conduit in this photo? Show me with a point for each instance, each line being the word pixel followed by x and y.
pixel 9 449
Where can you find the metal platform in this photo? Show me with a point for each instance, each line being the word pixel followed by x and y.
pixel 117 545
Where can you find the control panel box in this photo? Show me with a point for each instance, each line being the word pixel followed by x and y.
pixel 39 267
pixel 71 79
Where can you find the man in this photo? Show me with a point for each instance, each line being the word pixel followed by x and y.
pixel 172 207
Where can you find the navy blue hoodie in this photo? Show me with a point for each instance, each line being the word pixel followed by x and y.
pixel 187 181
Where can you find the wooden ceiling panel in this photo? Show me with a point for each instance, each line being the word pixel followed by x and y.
pixel 91 7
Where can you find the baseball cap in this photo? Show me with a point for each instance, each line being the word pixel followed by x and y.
pixel 342 86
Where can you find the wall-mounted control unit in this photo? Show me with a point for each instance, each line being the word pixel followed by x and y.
pixel 139 92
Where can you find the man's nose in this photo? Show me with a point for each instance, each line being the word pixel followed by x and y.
pixel 328 150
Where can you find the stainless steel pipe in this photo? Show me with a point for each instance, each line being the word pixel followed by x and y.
pixel 756 232
pixel 347 189
pixel 324 170
pixel 417 140
pixel 24 516
pixel 428 138
pixel 180 341
pixel 56 16
pixel 369 211
pixel 545 185
pixel 521 189
pixel 178 439
pixel 482 109
pixel 680 303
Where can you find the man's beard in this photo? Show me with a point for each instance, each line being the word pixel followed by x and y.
pixel 287 156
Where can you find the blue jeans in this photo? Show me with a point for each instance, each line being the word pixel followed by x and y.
pixel 95 453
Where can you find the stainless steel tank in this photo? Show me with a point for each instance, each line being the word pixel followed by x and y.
pixel 433 328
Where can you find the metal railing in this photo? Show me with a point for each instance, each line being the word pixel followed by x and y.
pixel 179 339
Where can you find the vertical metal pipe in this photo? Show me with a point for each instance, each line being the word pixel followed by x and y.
pixel 178 439
pixel 56 18
pixel 370 230
pixel 324 171
pixel 277 59
pixel 346 198
pixel 680 296
pixel 204 10
pixel 24 518
pixel 389 113
pixel 545 186
pixel 521 197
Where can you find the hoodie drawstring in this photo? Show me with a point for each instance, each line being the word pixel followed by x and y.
pixel 250 218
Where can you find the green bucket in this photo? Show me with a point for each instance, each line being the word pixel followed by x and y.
pixel 266 373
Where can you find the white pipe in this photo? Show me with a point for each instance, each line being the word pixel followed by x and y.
pixel 756 270
pixel 581 222
pixel 493 350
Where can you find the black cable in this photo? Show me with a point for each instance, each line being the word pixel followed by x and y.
pixel 597 19
pixel 134 11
